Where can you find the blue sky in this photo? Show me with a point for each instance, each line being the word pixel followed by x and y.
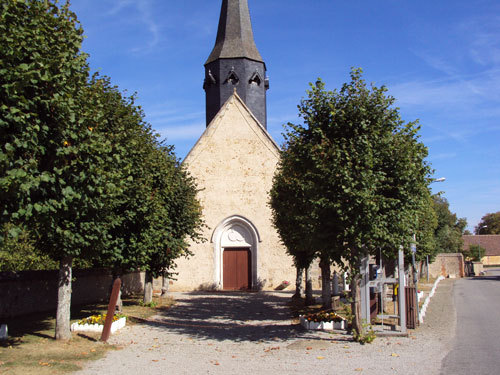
pixel 439 59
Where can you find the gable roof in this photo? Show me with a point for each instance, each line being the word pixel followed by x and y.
pixel 251 121
pixel 490 242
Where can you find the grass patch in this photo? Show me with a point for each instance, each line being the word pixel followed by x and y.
pixel 32 350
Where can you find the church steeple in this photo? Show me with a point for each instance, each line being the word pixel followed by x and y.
pixel 235 63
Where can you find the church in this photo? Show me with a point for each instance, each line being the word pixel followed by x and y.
pixel 233 163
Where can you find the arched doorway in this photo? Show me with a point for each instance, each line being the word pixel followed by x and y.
pixel 236 241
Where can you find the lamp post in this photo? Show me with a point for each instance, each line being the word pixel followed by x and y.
pixel 479 242
pixel 413 253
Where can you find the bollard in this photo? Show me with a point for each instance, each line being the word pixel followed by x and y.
pixel 111 310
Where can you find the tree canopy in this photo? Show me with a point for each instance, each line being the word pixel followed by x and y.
pixel 449 231
pixel 81 172
pixel 489 224
pixel 358 171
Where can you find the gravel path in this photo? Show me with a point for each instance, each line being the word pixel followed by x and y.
pixel 253 333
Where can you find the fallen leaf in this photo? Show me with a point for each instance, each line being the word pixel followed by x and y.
pixel 395 355
pixel 92 350
pixel 2 363
pixel 358 369
pixel 320 357
pixel 84 353
pixel 346 347
pixel 234 356
pixel 309 348
pixel 217 363
pixel 43 363
pixel 155 360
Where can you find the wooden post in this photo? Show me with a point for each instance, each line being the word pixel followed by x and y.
pixel 111 309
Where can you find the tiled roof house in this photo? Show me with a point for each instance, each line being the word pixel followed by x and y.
pixel 490 242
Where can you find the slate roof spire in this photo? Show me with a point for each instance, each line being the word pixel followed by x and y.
pixel 235 64
pixel 234 35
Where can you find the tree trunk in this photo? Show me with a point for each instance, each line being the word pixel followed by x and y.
pixel 148 288
pixel 356 302
pixel 164 285
pixel 299 288
pixel 309 287
pixel 326 286
pixel 63 331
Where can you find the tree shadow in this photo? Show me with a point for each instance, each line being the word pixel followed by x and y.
pixel 234 316
pixel 485 278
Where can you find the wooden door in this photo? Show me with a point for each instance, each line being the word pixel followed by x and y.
pixel 236 269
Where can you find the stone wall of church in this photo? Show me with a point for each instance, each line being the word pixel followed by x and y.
pixel 233 163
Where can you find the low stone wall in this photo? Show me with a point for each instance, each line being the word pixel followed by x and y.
pixel 491 260
pixel 29 292
pixel 447 265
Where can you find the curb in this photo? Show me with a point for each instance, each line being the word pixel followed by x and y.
pixel 423 310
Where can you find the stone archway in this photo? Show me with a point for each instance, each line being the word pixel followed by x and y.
pixel 238 236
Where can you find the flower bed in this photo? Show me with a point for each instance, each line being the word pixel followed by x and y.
pixel 95 323
pixel 324 320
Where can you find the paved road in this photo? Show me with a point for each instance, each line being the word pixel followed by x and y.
pixel 476 346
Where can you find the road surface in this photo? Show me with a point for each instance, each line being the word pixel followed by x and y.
pixel 476 346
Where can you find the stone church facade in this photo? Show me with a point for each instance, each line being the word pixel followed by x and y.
pixel 233 163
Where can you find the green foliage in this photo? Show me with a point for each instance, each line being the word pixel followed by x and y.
pixel 475 252
pixel 427 224
pixel 156 210
pixel 49 161
pixel 356 171
pixel 449 231
pixel 489 224
pixel 367 335
pixel 79 166
pixel 151 304
pixel 20 254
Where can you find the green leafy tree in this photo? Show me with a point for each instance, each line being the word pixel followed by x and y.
pixel 157 210
pixel 20 254
pixel 52 178
pixel 475 253
pixel 489 224
pixel 78 165
pixel 288 194
pixel 363 172
pixel 427 224
pixel 449 231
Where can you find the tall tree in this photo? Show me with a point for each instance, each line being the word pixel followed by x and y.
pixel 78 165
pixel 449 230
pixel 288 194
pixel 489 224
pixel 50 162
pixel 156 210
pixel 364 173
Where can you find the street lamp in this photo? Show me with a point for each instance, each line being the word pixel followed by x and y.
pixel 440 179
pixel 479 241
pixel 414 251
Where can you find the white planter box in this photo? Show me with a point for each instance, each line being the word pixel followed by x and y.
pixel 327 326
pixel 115 326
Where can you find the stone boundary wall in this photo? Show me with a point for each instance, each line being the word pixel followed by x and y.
pixel 447 265
pixel 28 292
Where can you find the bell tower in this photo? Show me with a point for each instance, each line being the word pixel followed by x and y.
pixel 235 64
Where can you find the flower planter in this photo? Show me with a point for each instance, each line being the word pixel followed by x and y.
pixel 115 326
pixel 327 326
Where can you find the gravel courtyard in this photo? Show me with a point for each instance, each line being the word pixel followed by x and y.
pixel 227 333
